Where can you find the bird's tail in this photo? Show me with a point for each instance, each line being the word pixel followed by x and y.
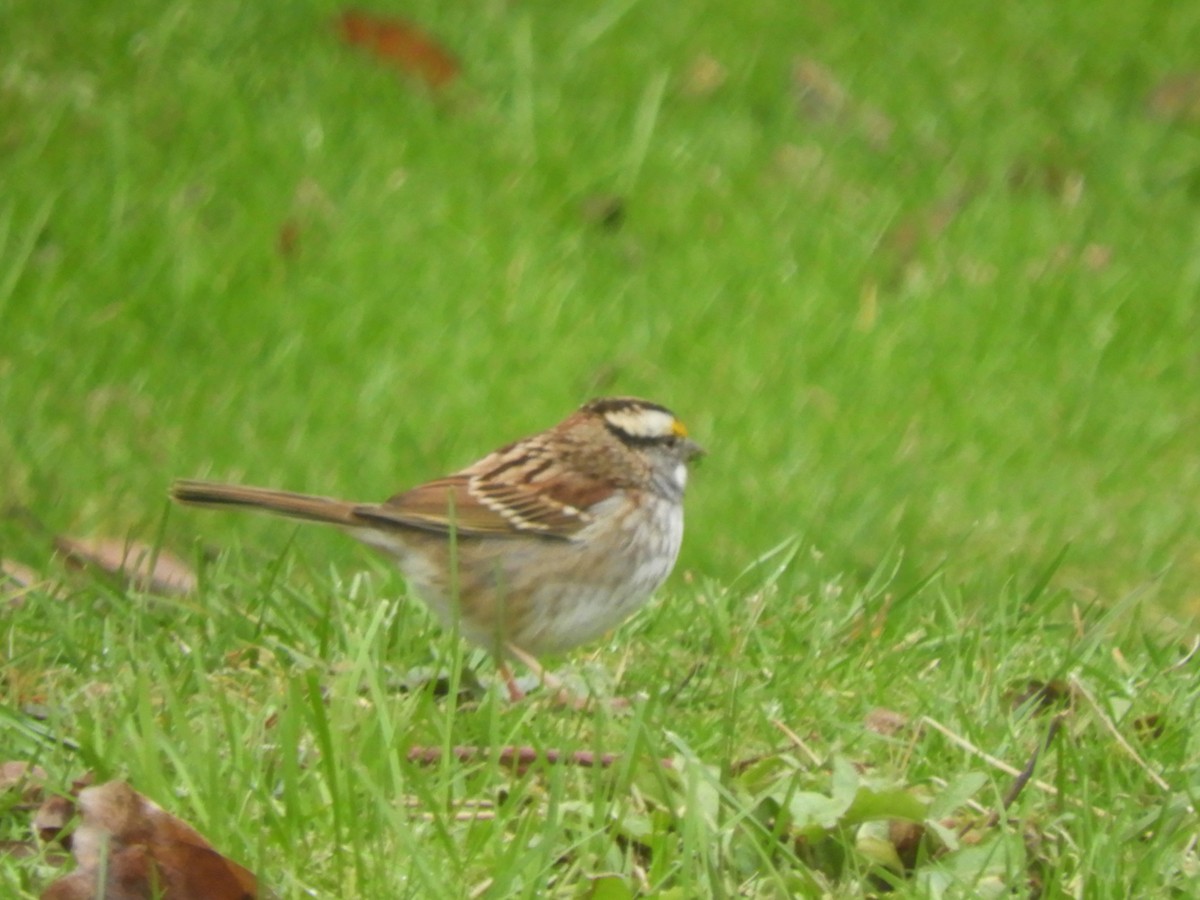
pixel 280 503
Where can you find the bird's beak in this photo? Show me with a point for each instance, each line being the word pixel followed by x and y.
pixel 692 450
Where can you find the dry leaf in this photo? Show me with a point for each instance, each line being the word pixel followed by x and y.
pixel 129 877
pixel 1040 696
pixel 1045 177
pixel 1176 98
pixel 605 210
pixel 819 95
pixel 1149 727
pixel 287 242
pixel 906 837
pixel 19 849
pixel 57 811
pixel 1096 257
pixel 703 77
pixel 885 721
pixel 400 44
pixel 311 213
pixel 902 243
pixel 144 852
pixel 17 574
pixel 144 567
pixel 910 232
pixel 24 777
pixel 52 817
pixel 822 99
pixel 16 579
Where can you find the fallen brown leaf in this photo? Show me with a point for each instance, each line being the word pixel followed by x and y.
pixel 15 574
pixel 143 852
pixel 922 226
pixel 605 210
pixel 52 817
pixel 16 579
pixel 1042 696
pixel 821 98
pixel 1149 727
pixel 144 567
pixel 19 849
pixel 887 722
pixel 400 44
pixel 906 837
pixel 23 777
pixel 309 218
pixel 287 241
pixel 1096 257
pixel 1176 98
pixel 703 77
pixel 1039 176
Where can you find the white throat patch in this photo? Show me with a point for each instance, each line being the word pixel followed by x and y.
pixel 681 475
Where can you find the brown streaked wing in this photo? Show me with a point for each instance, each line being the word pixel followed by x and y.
pixel 471 504
pixel 556 507
pixel 527 484
pixel 437 506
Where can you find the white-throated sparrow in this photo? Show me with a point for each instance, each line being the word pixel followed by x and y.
pixel 544 544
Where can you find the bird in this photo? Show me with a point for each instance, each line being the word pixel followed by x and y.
pixel 544 544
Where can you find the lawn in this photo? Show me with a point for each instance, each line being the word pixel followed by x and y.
pixel 924 281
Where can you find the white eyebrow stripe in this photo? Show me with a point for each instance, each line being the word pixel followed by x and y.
pixel 642 423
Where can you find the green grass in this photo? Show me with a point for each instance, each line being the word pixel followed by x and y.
pixel 272 711
pixel 929 410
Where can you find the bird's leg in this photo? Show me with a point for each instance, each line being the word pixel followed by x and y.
pixel 515 694
pixel 563 695
pixel 546 678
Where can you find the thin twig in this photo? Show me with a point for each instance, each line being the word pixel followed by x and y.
pixel 798 742
pixel 1187 657
pixel 993 761
pixel 1001 764
pixel 1023 777
pixel 1117 736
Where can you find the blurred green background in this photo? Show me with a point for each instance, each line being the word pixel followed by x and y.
pixel 923 277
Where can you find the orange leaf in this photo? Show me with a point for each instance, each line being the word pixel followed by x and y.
pixel 144 852
pixel 401 44
pixel 52 817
